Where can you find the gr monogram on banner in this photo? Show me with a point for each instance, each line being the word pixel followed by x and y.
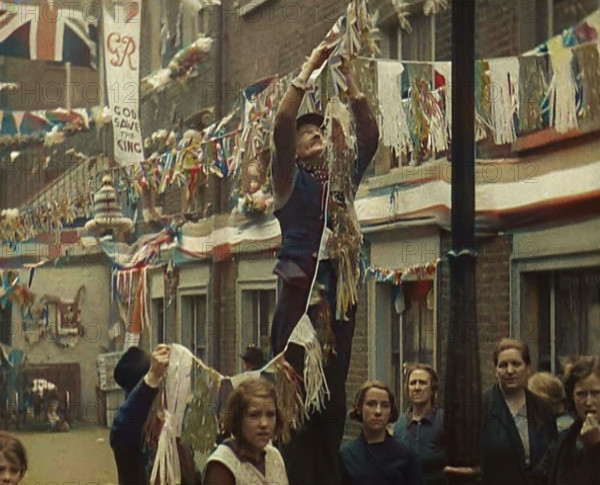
pixel 122 66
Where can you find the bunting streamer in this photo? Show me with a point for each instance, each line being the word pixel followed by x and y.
pixel 48 124
pixel 177 387
pixel 562 91
pixel 588 62
pixel 392 118
pixel 504 78
pixel 531 93
pixel 201 422
pixel 482 101
pixel 396 276
pixel 224 148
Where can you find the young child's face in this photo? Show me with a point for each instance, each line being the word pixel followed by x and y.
pixel 10 473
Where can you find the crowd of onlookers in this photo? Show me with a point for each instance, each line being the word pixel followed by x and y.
pixel 536 428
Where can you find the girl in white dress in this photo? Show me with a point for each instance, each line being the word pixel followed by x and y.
pixel 253 418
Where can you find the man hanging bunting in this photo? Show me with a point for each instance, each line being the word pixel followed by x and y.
pixel 316 172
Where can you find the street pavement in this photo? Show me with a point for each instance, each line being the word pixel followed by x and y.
pixel 80 456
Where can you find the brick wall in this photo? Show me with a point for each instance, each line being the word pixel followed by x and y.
pixel 569 12
pixel 493 302
pixel 358 372
pixel 272 39
pixel 496 30
pixel 224 276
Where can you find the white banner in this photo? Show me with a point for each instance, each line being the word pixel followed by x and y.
pixel 122 22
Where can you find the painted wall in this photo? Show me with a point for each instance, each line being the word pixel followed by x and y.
pixel 94 304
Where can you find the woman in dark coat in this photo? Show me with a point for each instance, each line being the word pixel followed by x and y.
pixel 575 460
pixel 375 457
pixel 518 426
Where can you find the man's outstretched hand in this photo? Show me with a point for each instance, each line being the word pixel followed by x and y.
pixel 318 56
pixel 159 363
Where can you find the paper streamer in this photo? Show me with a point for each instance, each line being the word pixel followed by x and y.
pixel 563 103
pixel 504 76
pixel 392 118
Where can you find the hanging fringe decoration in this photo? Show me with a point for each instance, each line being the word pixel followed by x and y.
pixel 438 134
pixel 445 69
pixel 562 91
pixel 401 9
pixel 133 283
pixel 396 276
pixel 288 386
pixel 504 76
pixel 345 241
pixel 589 75
pixel 482 101
pixel 434 6
pixel 315 385
pixel 392 118
pixel 418 122
pixel 531 93
pixel 177 387
pixel 166 468
pixel 200 424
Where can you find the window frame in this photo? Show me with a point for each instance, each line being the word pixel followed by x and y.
pixel 381 361
pixel 258 284
pixel 196 291
pixel 160 325
pixel 520 268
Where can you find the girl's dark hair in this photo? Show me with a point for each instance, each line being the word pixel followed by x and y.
pixel 237 405
pixel 509 343
pixel 13 450
pixel 356 412
pixel 581 369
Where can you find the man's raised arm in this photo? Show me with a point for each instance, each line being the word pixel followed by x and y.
pixel 284 132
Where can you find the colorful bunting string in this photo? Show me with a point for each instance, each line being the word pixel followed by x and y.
pixel 396 276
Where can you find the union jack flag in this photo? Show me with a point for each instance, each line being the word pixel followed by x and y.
pixel 47 30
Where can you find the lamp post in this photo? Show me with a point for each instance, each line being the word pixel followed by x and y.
pixel 463 382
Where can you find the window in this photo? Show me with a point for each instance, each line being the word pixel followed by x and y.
pixel 405 330
pixel 194 328
pixel 257 310
pixel 419 44
pixel 562 311
pixel 6 330
pixel 416 45
pixel 417 323
pixel 203 19
pixel 158 320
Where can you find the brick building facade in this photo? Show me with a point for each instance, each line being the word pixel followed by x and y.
pixel 223 304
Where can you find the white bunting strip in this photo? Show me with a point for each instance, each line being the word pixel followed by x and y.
pixel 504 75
pixel 563 87
pixel 392 118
